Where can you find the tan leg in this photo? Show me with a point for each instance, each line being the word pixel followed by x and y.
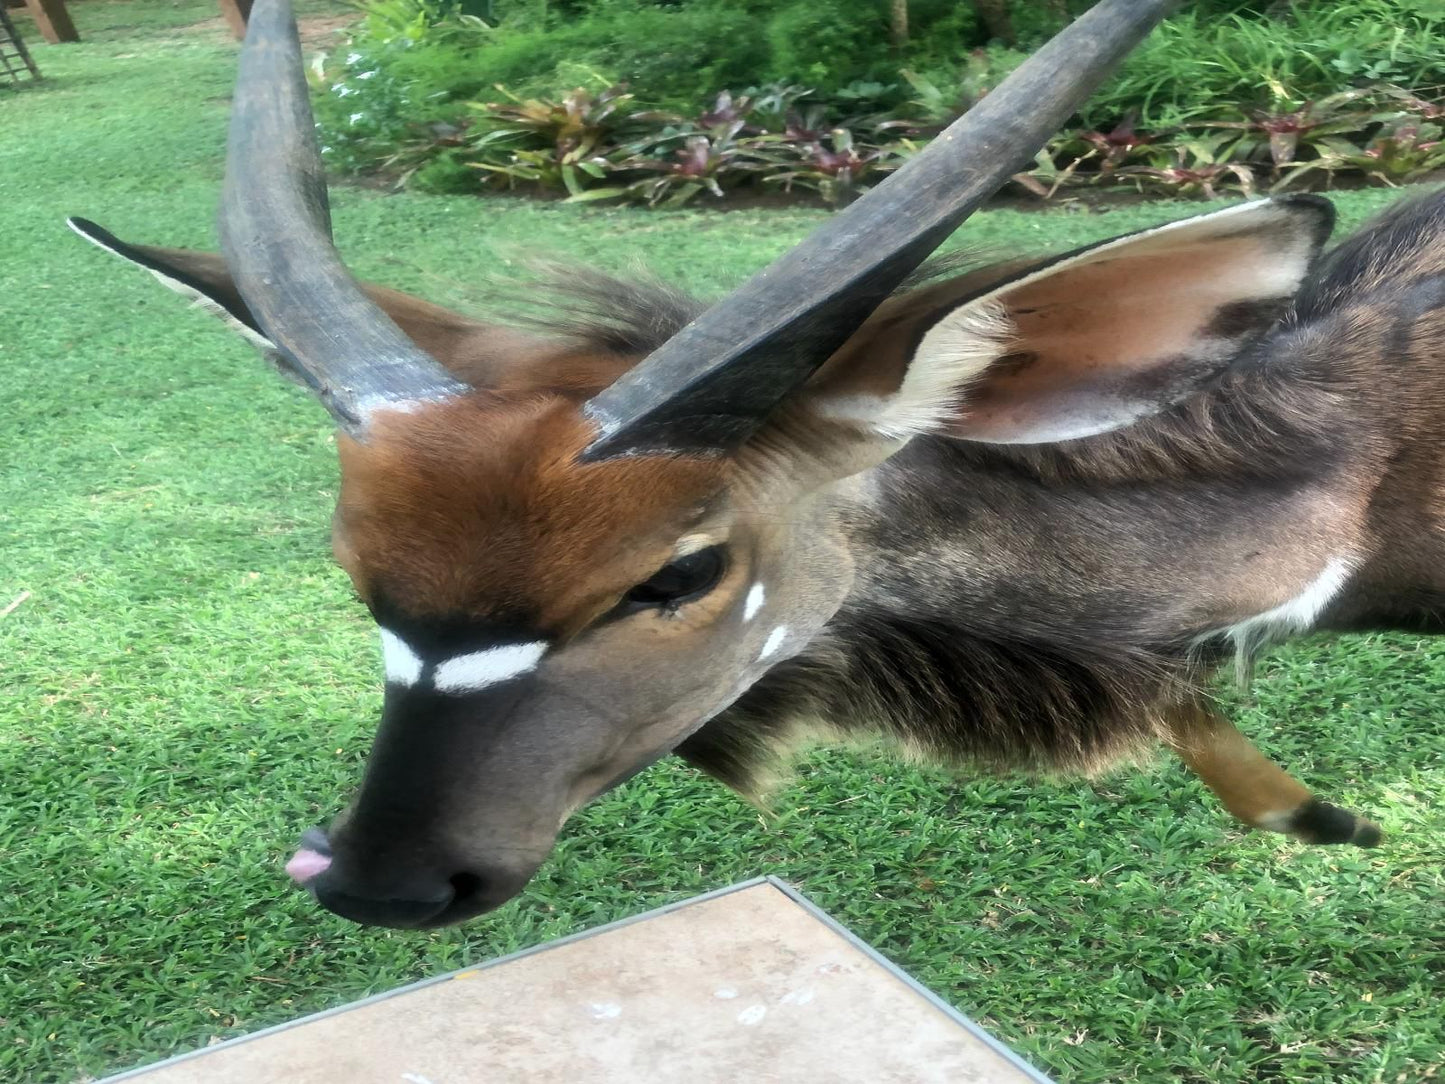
pixel 1254 788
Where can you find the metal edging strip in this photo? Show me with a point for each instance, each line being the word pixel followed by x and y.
pixel 782 886
pixel 908 980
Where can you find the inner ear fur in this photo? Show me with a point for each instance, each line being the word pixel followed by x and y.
pixel 1080 344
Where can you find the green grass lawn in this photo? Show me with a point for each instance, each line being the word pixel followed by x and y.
pixel 189 684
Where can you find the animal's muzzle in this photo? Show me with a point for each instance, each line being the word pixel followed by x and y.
pixel 420 899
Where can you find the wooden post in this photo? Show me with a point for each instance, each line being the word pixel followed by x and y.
pixel 236 13
pixel 53 20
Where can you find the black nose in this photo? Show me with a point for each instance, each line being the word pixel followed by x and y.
pixel 375 892
pixel 417 907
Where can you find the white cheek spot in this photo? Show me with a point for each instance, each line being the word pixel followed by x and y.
pixel 467 673
pixel 774 641
pixel 1300 612
pixel 754 602
pixel 403 665
pixel 752 1015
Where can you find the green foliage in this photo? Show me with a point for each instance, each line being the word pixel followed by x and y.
pixel 1283 78
pixel 1198 63
pixel 1402 152
pixel 827 43
pixel 603 145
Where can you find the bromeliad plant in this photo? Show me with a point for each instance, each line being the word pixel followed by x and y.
pixel 703 163
pixel 1403 152
pixel 1200 166
pixel 599 142
pixel 1277 138
pixel 603 146
pixel 561 143
pixel 839 167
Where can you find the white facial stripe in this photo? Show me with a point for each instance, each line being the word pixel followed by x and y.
pixel 754 601
pixel 775 641
pixel 467 673
pixel 403 665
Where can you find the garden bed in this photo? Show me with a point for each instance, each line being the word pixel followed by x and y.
pixel 1224 101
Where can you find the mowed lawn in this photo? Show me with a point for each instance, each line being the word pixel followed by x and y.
pixel 188 683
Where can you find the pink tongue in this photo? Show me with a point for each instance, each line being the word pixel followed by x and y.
pixel 306 864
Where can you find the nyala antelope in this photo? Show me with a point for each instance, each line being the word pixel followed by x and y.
pixel 1008 517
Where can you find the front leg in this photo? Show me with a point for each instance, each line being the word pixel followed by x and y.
pixel 1254 788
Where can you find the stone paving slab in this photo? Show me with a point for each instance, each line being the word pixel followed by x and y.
pixel 748 985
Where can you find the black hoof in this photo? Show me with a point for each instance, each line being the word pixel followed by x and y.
pixel 1320 822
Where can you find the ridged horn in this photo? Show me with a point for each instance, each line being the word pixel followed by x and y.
pixel 710 386
pixel 275 226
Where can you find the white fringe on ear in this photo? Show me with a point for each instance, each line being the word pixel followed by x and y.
pixel 952 354
pixel 215 308
pixel 197 299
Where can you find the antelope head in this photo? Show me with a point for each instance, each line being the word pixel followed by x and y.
pixel 576 557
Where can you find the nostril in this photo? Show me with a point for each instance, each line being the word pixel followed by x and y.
pixel 466 885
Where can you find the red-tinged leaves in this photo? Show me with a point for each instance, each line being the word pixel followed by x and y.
pixel 787 139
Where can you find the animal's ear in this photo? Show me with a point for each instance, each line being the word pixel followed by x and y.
pixel 1082 344
pixel 198 276
pixel 469 347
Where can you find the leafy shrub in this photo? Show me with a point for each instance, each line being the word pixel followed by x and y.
pixel 1197 62
pixel 821 45
pixel 1219 99
pixel 598 146
pixel 406 66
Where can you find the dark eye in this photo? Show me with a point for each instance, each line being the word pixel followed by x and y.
pixel 680 581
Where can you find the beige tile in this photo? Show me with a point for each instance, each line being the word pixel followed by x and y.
pixel 747 986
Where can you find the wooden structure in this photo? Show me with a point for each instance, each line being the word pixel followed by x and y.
pixel 52 20
pixel 236 13
pixel 55 25
pixel 14 57
pixel 751 983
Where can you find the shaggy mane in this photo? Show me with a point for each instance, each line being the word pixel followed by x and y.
pixel 591 308
pixel 638 313
pixel 946 696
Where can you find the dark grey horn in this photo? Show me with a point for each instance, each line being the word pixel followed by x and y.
pixel 276 236
pixel 710 386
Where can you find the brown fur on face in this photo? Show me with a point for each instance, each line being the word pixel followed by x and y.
pixel 478 508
